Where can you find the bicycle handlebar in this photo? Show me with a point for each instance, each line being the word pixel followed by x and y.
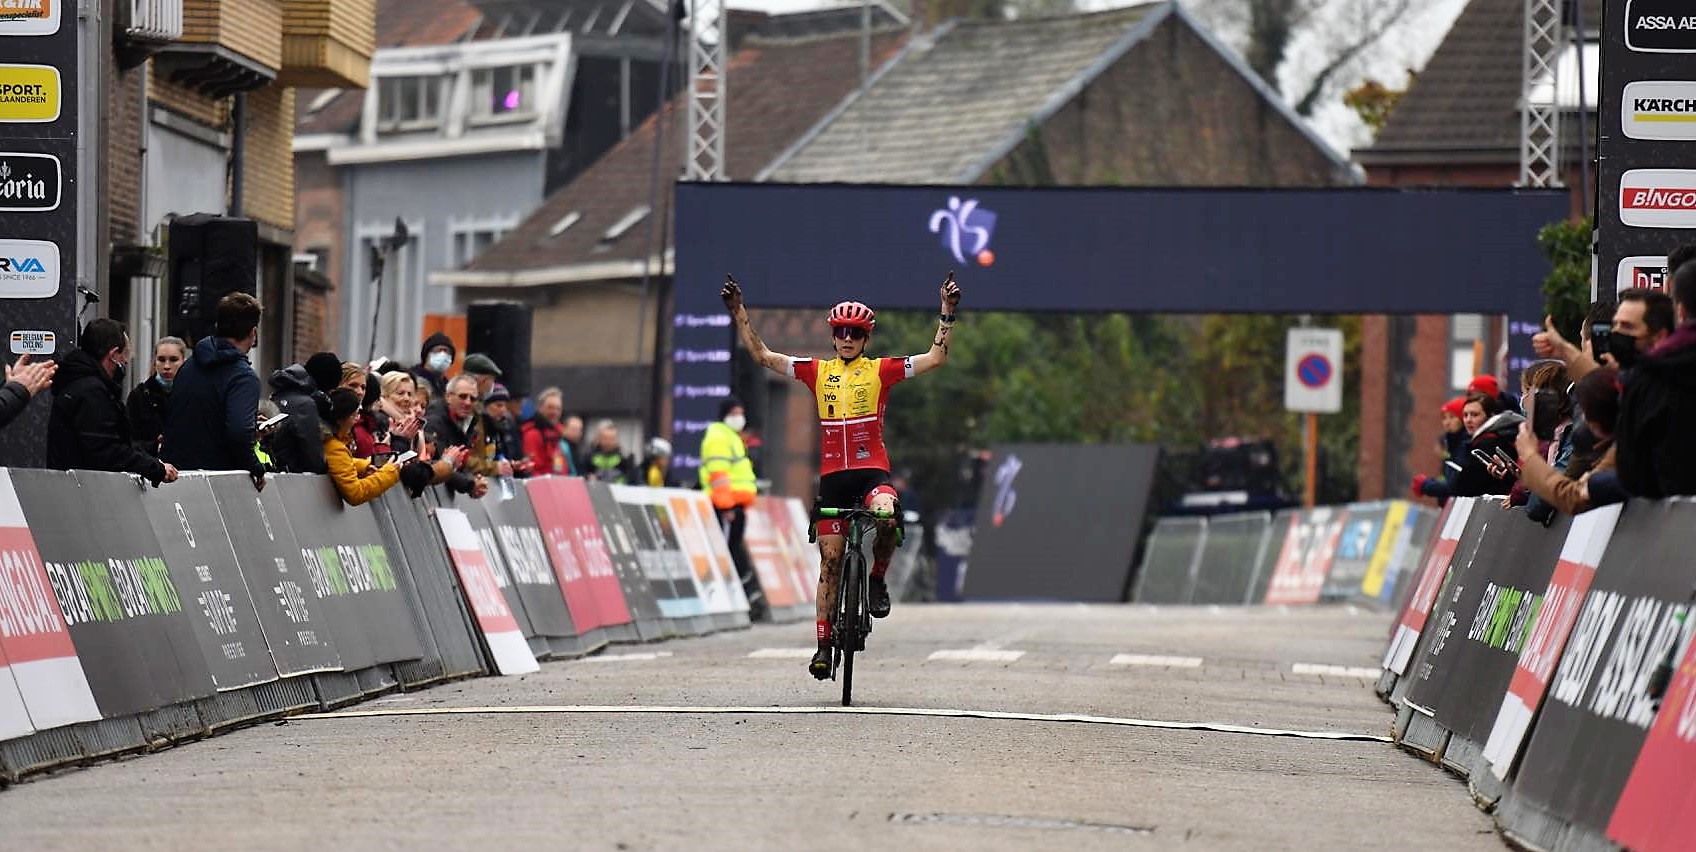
pixel 882 515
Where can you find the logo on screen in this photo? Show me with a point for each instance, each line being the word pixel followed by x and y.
pixel 1005 497
pixel 966 230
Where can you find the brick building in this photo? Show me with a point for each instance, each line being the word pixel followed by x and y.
pixel 1458 125
pixel 199 118
pixel 1136 96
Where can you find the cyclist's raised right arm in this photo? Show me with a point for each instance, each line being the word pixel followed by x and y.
pixel 776 362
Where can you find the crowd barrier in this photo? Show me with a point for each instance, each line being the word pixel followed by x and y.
pixel 134 617
pixel 1523 662
pixel 1362 553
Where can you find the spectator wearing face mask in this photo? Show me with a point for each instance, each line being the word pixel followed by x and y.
pixel 434 361
pixel 150 402
pixel 1547 400
pixel 89 429
pixel 1653 455
pixel 1598 397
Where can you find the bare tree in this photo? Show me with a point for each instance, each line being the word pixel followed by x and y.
pixel 1264 30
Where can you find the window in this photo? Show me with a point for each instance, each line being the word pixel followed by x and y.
pixel 405 103
pixel 471 242
pixel 503 93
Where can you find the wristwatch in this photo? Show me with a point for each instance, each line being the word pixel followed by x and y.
pixel 947 319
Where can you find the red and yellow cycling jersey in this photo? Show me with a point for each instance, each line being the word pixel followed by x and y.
pixel 851 397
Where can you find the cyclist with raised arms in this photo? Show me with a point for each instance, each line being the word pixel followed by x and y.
pixel 852 390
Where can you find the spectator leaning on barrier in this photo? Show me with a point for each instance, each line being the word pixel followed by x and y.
pixel 89 429
pixel 1492 387
pixel 1482 469
pixel 370 433
pixel 262 443
pixel 571 429
pixel 434 361
pixel 502 429
pixel 1598 397
pixel 1547 401
pixel 357 480
pixel 605 460
pixel 459 423
pixel 150 401
pixel 544 439
pixel 396 404
pixel 1654 457
pixel 1451 449
pixel 23 381
pixel 211 422
pixel 300 391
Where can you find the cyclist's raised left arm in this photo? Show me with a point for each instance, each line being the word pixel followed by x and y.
pixel 938 354
pixel 776 362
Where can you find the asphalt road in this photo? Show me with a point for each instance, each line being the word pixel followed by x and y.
pixel 613 752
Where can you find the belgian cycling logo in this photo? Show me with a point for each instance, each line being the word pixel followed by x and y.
pixel 966 230
pixel 1005 497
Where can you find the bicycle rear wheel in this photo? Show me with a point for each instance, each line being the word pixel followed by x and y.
pixel 849 603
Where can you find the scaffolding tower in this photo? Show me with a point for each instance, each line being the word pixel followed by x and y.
pixel 1540 123
pixel 703 158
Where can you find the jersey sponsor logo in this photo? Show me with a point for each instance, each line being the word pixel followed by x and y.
pixel 1659 110
pixel 1660 26
pixel 29 94
pixel 29 17
pixel 1658 198
pixel 966 229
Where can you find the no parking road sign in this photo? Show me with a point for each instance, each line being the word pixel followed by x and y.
pixel 1313 370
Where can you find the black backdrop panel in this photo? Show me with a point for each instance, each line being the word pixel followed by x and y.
pixel 125 615
pixel 1059 522
pixel 191 533
pixel 296 623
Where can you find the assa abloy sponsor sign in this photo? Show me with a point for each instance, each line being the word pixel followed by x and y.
pixel 1660 26
pixel 29 269
pixel 1662 110
pixel 1658 198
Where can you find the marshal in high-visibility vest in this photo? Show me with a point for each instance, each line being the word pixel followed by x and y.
pixel 726 473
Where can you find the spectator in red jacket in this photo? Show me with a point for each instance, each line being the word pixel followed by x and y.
pixel 545 444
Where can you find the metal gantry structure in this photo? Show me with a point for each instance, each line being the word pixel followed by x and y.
pixel 703 158
pixel 1540 123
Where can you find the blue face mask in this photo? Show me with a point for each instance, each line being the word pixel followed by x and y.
pixel 439 362
pixel 166 383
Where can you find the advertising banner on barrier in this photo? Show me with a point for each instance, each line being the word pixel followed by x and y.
pixel 350 569
pixel 1586 540
pixel 125 615
pixel 792 546
pixel 777 576
pixel 1487 621
pixel 696 538
pixel 494 618
pixel 567 516
pixel 1355 546
pixel 515 535
pixel 1386 552
pixel 619 539
pixel 34 637
pixel 14 716
pixel 800 526
pixel 1072 506
pixel 478 516
pixel 1598 711
pixel 293 618
pixel 197 551
pixel 1430 584
pixel 650 554
pixel 1657 810
pixel 1301 582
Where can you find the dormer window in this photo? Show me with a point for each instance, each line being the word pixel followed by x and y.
pixel 408 103
pixel 507 93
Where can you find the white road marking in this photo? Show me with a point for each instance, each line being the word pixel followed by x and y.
pixel 1353 610
pixel 1155 660
pixel 782 654
pixel 619 658
pixel 1215 609
pixel 857 711
pixel 978 655
pixel 1340 671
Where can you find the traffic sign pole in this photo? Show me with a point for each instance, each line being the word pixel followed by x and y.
pixel 1311 442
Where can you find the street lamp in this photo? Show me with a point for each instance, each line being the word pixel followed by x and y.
pixel 380 252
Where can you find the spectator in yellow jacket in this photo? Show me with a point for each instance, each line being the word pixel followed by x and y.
pixel 357 480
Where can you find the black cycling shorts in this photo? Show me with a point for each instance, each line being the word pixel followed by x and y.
pixel 847 489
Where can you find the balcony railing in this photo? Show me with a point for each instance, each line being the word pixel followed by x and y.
pixel 154 20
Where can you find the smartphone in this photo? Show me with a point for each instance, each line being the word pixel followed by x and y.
pixel 1508 458
pixel 1599 332
pixel 405 457
pixel 272 422
pixel 1484 458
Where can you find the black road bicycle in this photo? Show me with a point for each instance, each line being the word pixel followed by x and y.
pixel 852 621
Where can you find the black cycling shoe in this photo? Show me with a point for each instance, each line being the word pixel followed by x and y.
pixel 820 666
pixel 880 598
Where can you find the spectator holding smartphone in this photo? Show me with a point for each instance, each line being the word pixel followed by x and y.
pixel 1487 466
pixel 1598 397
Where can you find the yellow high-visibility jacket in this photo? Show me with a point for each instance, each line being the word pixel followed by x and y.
pixel 726 473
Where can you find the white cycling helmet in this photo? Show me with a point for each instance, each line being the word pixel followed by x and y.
pixel 658 447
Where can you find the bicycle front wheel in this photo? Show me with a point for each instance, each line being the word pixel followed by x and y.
pixel 850 602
